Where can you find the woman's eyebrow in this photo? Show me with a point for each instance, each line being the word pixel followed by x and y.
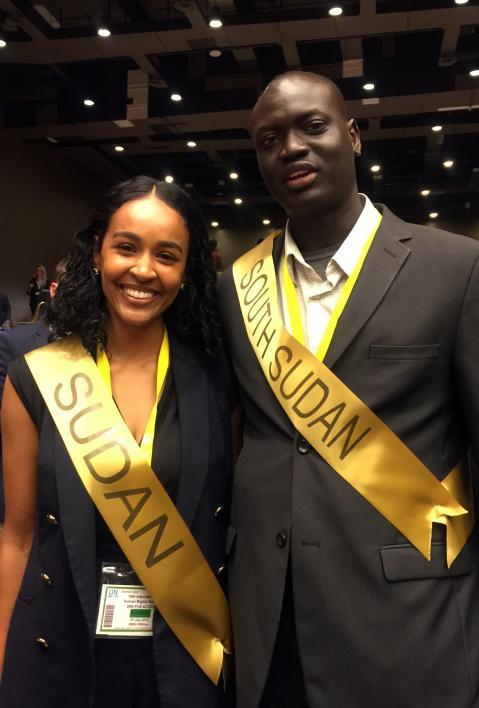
pixel 134 237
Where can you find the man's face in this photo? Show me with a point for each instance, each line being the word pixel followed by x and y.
pixel 306 146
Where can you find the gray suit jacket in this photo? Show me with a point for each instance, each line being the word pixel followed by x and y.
pixel 377 624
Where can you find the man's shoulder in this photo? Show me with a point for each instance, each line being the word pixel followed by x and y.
pixel 24 338
pixel 441 241
pixel 226 281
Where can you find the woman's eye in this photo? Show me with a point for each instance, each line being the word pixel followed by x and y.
pixel 125 247
pixel 167 257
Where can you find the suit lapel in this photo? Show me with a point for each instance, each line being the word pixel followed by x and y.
pixel 191 386
pixel 78 524
pixel 382 265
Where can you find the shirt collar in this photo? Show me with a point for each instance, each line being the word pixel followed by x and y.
pixel 348 253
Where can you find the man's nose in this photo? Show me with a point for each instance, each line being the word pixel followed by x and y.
pixel 293 146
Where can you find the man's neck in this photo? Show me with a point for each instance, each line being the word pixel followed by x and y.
pixel 320 230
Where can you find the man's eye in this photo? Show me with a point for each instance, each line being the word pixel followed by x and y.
pixel 314 126
pixel 267 141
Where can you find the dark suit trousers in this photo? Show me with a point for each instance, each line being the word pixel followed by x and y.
pixel 285 684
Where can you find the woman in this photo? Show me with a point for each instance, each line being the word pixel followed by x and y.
pixel 139 273
pixel 37 288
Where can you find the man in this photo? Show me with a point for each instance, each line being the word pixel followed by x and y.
pixel 19 341
pixel 338 598
pixel 5 309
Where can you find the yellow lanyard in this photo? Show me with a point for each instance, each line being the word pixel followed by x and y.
pixel 162 369
pixel 293 304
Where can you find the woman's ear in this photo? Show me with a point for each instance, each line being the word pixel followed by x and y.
pixel 96 253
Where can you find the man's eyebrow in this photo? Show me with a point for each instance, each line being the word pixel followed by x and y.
pixel 134 237
pixel 272 124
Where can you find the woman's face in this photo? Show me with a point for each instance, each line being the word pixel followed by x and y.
pixel 39 273
pixel 142 260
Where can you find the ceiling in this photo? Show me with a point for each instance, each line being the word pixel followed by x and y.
pixel 418 54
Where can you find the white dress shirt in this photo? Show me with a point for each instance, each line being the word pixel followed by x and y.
pixel 317 297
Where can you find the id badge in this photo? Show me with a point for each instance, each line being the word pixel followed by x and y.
pixel 125 608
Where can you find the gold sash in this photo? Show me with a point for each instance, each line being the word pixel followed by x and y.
pixel 341 428
pixel 134 504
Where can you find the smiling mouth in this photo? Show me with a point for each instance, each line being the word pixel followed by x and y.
pixel 138 294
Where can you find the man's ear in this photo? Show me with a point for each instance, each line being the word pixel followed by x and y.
pixel 53 288
pixel 355 136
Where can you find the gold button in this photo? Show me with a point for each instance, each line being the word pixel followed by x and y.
pixel 52 520
pixel 220 570
pixel 42 643
pixel 219 512
pixel 46 579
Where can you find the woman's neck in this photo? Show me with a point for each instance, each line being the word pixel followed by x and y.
pixel 134 344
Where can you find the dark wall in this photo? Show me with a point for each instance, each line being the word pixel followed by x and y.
pixel 44 198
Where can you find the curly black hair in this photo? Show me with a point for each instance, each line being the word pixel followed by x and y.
pixel 79 306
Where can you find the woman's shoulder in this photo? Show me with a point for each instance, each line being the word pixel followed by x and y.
pixel 26 388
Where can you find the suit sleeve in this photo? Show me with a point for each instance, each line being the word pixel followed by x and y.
pixel 467 360
pixel 7 354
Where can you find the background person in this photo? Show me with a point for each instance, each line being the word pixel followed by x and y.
pixel 18 341
pixel 141 264
pixel 332 605
pixel 5 310
pixel 215 254
pixel 37 289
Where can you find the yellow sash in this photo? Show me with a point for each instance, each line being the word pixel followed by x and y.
pixel 103 365
pixel 134 504
pixel 341 428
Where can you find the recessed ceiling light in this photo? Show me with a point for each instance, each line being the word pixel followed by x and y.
pixel 448 163
pixel 425 192
pixel 119 148
pixel 433 214
pixel 375 168
pixel 2 43
pixel 234 175
pixel 336 11
pixel 191 144
pixel 176 97
pixel 436 128
pixel 474 72
pixel 88 102
pixel 214 224
pixel 215 53
pixel 103 32
pixel 369 86
pixel 215 21
pixel 169 179
pixel 266 222
pixel 461 2
pixel 238 200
